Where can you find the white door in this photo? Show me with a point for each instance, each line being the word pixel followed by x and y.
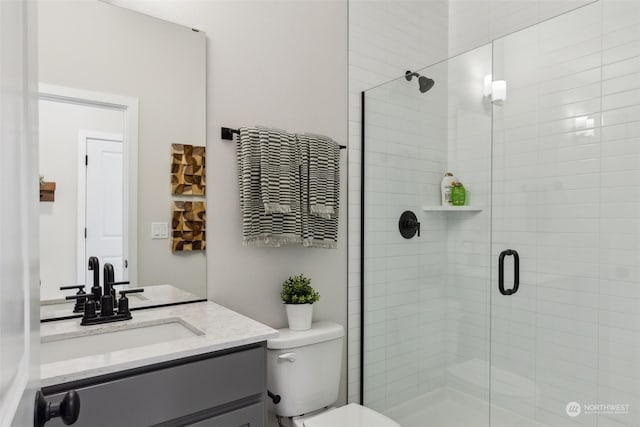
pixel 104 205
pixel 19 294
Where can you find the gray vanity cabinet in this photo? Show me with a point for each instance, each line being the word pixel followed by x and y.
pixel 222 389
pixel 249 416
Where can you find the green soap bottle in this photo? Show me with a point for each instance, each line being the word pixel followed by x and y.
pixel 458 194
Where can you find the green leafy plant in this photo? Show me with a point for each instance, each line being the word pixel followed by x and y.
pixel 298 290
pixel 41 179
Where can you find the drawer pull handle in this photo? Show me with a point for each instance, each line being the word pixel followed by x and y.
pixel 68 409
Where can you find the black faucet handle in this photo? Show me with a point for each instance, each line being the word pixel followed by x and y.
pixel 120 283
pixel 123 302
pixel 80 297
pixel 124 292
pixel 83 297
pixel 80 288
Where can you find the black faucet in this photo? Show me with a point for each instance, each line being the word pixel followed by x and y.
pixel 96 290
pixel 107 297
pixel 108 312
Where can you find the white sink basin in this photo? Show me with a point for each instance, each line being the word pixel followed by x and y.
pixel 56 348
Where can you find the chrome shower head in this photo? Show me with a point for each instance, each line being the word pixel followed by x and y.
pixel 424 83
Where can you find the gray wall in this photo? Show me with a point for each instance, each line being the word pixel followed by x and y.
pixel 94 46
pixel 280 64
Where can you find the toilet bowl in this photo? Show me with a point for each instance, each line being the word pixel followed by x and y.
pixel 351 415
pixel 303 369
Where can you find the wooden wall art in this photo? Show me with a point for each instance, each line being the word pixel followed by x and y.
pixel 188 173
pixel 188 226
pixel 47 191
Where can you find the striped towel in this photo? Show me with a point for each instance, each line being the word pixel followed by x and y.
pixel 261 228
pixel 319 231
pixel 324 173
pixel 279 170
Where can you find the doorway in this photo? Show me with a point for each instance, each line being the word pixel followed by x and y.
pixel 101 209
pixel 88 148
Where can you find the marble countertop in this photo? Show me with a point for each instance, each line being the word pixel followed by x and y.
pixel 152 295
pixel 222 328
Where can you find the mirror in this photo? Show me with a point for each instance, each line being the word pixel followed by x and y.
pixel 117 89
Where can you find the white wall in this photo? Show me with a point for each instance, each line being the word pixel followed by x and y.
pixel 281 64
pixel 59 124
pixel 473 23
pixel 90 45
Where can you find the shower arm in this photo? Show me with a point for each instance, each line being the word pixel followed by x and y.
pixel 409 75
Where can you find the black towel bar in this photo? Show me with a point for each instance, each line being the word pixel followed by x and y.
pixel 227 133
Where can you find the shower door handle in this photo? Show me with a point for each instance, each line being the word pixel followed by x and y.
pixel 516 272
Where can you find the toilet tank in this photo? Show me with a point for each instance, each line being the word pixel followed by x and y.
pixel 304 367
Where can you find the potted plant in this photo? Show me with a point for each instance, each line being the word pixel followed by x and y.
pixel 299 296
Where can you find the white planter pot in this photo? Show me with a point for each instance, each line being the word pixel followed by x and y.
pixel 299 316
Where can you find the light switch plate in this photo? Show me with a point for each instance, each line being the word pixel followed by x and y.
pixel 159 230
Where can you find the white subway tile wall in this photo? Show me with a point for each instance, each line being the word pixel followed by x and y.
pixel 473 23
pixel 386 38
pixel 405 292
pixel 565 188
pixel 619 243
pixel 469 233
pixel 566 195
pixel 546 198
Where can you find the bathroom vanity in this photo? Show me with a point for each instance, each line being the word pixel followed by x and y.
pixel 188 364
pixel 196 364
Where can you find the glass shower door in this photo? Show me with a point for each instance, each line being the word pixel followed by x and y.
pixel 566 201
pixel 404 317
pixel 425 353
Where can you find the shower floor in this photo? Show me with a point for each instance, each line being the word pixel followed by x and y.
pixel 450 408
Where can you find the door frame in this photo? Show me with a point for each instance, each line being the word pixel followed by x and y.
pixel 81 266
pixel 129 107
pixel 19 270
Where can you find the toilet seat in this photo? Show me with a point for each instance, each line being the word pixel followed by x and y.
pixel 351 415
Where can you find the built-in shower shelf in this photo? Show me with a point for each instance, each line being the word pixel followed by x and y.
pixel 451 208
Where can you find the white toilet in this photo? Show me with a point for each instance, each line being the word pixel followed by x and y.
pixel 303 368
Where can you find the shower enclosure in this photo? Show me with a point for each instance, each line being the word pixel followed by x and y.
pixel 521 308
